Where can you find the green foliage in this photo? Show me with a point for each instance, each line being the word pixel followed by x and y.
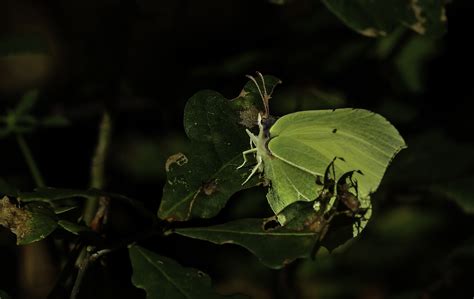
pixel 201 181
pixel 162 277
pixel 31 223
pixel 73 228
pixel 325 170
pixel 274 246
pixel 380 17
pixel 20 120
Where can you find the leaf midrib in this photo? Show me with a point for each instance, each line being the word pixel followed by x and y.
pixel 163 273
pixel 247 233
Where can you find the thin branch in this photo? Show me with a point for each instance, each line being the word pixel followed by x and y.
pixel 98 167
pixel 37 177
pixel 83 266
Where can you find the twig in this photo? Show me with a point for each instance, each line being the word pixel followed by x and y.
pixel 86 262
pixel 98 167
pixel 94 215
pixel 37 177
pixel 83 266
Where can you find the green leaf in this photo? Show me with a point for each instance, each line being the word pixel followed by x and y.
pixel 162 277
pixel 21 44
pixel 4 295
pixel 74 228
pixel 379 17
pixel 274 245
pixel 31 223
pixel 200 182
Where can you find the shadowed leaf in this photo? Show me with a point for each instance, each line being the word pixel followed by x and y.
pixel 200 182
pixel 162 277
pixel 31 223
pixel 274 245
pixel 379 17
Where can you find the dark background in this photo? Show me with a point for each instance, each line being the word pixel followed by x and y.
pixel 142 60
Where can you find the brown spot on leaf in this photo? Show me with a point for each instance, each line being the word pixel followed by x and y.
pixel 372 32
pixel 210 187
pixel 178 158
pixel 14 218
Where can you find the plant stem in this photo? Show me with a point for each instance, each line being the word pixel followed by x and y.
pixel 98 166
pixel 37 177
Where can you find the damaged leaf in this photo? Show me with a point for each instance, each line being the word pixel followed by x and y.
pixel 380 17
pixel 31 223
pixel 200 181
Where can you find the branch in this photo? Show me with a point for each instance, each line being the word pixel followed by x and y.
pixel 98 167
pixel 37 177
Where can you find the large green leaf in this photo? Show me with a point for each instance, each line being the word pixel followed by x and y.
pixel 379 17
pixel 31 223
pixel 273 244
pixel 200 182
pixel 163 278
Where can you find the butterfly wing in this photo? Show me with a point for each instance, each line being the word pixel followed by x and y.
pixel 288 184
pixel 309 141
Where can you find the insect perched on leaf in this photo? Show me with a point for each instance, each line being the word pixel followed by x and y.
pixel 294 150
pixel 339 198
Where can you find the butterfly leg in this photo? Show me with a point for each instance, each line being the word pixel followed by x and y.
pixel 244 154
pixel 254 170
pixel 253 138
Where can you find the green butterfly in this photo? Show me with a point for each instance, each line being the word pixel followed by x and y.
pixel 294 150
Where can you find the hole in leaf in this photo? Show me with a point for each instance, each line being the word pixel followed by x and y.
pixel 270 224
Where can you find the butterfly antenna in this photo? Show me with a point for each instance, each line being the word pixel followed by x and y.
pixel 264 95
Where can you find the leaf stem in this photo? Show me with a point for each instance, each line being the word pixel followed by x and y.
pixel 30 161
pixel 98 166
